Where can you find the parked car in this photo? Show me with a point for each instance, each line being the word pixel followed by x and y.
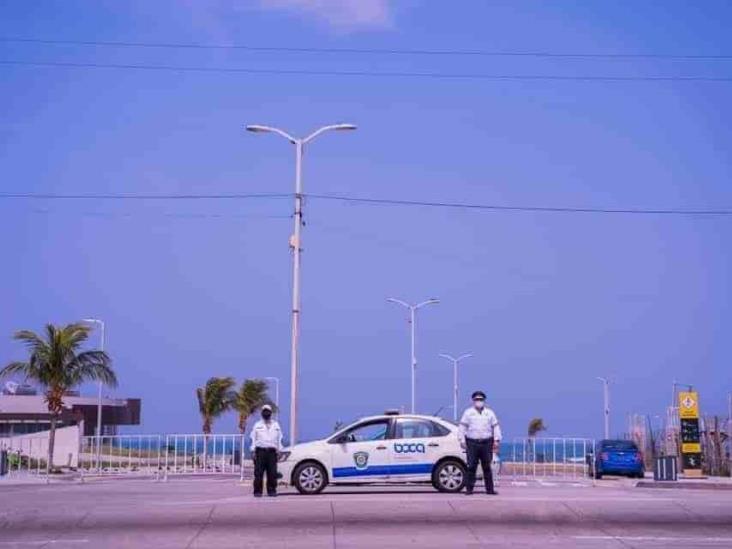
pixel 389 448
pixel 616 457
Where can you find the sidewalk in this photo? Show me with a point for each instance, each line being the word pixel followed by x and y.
pixel 708 483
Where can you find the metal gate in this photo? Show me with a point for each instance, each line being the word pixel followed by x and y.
pixel 548 458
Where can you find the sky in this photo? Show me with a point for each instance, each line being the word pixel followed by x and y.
pixel 545 301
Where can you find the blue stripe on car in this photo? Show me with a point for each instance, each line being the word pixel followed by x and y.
pixel 383 470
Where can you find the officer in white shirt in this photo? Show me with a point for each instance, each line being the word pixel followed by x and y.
pixel 480 435
pixel 266 442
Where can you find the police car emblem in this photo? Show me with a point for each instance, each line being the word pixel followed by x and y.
pixel 361 459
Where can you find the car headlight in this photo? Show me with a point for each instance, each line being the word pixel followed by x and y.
pixel 283 456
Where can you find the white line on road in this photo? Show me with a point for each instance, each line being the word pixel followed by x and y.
pixel 390 498
pixel 656 538
pixel 43 542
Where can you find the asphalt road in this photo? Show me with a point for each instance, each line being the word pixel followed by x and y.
pixel 211 513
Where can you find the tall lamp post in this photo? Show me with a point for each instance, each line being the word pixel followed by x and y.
pixel 296 245
pixel 99 323
pixel 277 390
pixel 455 363
pixel 606 398
pixel 412 316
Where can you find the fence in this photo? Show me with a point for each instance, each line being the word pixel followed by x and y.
pixel 26 455
pixel 548 458
pixel 160 456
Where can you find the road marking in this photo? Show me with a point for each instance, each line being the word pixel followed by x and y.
pixel 656 538
pixel 43 542
pixel 390 498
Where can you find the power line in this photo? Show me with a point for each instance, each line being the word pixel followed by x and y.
pixel 372 201
pixel 32 196
pixel 368 51
pixel 379 74
pixel 548 209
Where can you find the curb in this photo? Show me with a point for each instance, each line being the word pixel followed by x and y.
pixel 683 485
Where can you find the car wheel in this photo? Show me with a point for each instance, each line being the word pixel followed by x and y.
pixel 310 478
pixel 449 476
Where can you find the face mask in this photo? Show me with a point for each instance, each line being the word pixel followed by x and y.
pixel 479 404
pixel 266 414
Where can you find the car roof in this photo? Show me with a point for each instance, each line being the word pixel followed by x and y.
pixel 407 416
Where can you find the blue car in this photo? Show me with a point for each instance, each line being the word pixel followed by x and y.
pixel 618 457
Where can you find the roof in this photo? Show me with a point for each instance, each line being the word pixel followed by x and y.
pixel 36 404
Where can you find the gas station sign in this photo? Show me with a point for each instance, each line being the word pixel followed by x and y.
pixel 690 436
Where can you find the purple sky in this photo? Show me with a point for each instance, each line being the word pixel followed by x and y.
pixel 545 301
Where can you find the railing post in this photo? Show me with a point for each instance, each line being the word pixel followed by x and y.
pixel 241 459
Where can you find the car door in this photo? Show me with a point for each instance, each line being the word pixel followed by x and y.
pixel 414 449
pixel 360 454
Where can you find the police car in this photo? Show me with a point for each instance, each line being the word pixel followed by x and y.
pixel 389 448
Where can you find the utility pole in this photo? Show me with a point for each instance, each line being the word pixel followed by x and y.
pixel 296 246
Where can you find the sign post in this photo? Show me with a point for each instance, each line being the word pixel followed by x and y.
pixel 690 437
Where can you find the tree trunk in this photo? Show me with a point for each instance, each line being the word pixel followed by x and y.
pixel 243 423
pixel 51 443
pixel 206 432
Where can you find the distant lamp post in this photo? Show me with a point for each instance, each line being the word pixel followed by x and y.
pixel 606 398
pixel 296 245
pixel 412 316
pixel 455 363
pixel 277 390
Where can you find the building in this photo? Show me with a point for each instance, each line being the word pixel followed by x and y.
pixel 22 413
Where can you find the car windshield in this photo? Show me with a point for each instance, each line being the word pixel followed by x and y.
pixel 624 445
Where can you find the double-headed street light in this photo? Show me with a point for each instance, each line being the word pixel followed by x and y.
pixel 412 316
pixel 455 363
pixel 296 245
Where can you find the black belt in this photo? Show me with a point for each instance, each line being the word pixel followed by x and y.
pixel 479 440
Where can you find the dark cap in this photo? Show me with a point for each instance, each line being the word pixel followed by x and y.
pixel 478 394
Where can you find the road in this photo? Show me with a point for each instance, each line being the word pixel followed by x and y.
pixel 209 513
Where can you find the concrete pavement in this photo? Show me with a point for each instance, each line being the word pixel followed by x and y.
pixel 209 513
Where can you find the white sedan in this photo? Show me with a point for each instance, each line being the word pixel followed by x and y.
pixel 390 448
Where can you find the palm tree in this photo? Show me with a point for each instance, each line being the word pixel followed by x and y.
pixel 213 400
pixel 251 395
pixel 56 363
pixel 536 426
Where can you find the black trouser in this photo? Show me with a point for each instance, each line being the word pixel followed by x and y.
pixel 265 459
pixel 479 450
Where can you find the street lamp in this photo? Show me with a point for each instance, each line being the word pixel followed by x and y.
pixel 606 397
pixel 412 311
pixel 100 323
pixel 295 244
pixel 455 362
pixel 277 390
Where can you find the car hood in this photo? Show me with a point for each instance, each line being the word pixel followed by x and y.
pixel 305 447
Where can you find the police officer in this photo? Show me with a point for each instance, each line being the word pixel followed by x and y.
pixel 480 435
pixel 266 442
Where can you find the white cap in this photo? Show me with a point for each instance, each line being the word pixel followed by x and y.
pixel 267 407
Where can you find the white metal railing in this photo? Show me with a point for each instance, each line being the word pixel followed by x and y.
pixel 549 458
pixel 25 455
pixel 161 456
